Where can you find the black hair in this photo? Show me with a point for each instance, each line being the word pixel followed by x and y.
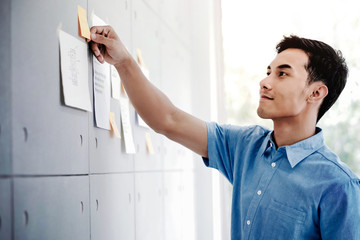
pixel 325 64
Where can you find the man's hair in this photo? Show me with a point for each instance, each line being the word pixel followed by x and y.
pixel 325 64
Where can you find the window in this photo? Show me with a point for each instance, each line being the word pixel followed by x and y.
pixel 251 30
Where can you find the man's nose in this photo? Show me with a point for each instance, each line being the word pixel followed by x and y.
pixel 265 84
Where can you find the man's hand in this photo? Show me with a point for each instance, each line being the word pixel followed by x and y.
pixel 106 46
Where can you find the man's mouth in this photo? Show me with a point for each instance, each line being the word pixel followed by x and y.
pixel 266 97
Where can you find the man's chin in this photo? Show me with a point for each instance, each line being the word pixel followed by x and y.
pixel 262 114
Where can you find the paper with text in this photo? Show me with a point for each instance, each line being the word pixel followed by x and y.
pixel 101 82
pixel 115 83
pixel 126 125
pixel 74 71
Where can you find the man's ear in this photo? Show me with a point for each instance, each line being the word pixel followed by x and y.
pixel 319 92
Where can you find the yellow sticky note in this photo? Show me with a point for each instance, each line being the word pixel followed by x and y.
pixel 149 145
pixel 113 124
pixel 122 88
pixel 139 57
pixel 83 23
pixel 142 65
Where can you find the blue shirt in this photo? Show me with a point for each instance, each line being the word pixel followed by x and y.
pixel 302 191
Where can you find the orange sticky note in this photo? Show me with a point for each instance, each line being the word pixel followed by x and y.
pixel 113 124
pixel 142 65
pixel 83 23
pixel 122 88
pixel 139 57
pixel 149 145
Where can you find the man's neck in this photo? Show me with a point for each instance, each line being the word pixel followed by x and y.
pixel 288 132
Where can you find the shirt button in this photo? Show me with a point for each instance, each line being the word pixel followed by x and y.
pixel 259 192
pixel 270 144
pixel 273 164
pixel 248 222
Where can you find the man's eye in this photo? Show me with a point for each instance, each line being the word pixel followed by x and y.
pixel 282 74
pixel 268 73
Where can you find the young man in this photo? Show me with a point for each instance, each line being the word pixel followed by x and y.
pixel 286 183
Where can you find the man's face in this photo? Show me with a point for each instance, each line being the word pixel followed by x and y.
pixel 283 93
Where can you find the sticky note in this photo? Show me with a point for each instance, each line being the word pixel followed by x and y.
pixel 83 23
pixel 149 145
pixel 142 65
pixel 113 124
pixel 122 88
pixel 139 57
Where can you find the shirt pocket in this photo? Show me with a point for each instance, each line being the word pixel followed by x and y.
pixel 279 221
pixel 287 212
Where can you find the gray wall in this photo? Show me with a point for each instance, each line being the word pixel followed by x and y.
pixel 63 178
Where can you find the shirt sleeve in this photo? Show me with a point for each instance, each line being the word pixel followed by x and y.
pixel 218 150
pixel 340 212
pixel 227 146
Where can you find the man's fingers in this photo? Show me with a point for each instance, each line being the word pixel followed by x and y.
pixel 97 52
pixel 106 31
pixel 100 58
pixel 98 29
pixel 98 38
pixel 102 39
pixel 95 49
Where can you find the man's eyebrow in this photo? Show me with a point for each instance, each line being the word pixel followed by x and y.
pixel 282 66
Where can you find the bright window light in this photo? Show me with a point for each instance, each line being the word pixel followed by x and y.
pixel 251 30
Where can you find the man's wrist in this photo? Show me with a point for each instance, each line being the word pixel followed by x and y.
pixel 126 66
pixel 124 63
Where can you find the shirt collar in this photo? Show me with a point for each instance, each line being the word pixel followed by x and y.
pixel 297 152
pixel 267 144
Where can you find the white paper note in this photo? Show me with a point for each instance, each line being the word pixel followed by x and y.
pixel 101 81
pixel 114 76
pixel 74 71
pixel 141 122
pixel 96 21
pixel 126 125
pixel 101 93
pixel 115 83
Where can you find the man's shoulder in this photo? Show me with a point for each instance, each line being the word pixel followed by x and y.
pixel 231 129
pixel 335 165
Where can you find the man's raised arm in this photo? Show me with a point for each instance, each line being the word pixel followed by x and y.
pixel 151 104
